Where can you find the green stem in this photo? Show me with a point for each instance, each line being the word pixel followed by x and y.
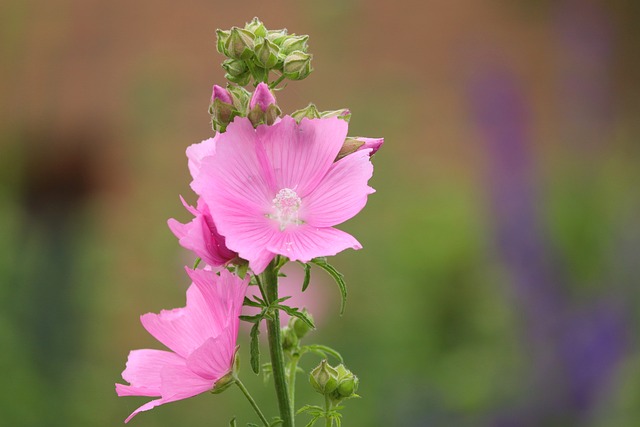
pixel 327 408
pixel 276 82
pixel 270 280
pixel 293 367
pixel 252 402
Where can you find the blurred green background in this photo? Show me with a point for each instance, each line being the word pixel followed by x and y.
pixel 498 284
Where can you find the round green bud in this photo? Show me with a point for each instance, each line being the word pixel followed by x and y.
pixel 256 27
pixel 266 53
pixel 222 37
pixel 299 327
pixel 292 43
pixel 297 65
pixel 324 378
pixel 240 43
pixel 235 67
pixel 277 36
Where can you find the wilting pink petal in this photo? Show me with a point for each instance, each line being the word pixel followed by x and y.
pixel 201 236
pixel 262 97
pixel 265 188
pixel 202 336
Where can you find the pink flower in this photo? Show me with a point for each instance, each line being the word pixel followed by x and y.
pixel 276 189
pixel 202 337
pixel 201 236
pixel 262 97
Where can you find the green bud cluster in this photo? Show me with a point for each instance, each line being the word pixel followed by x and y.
pixel 335 383
pixel 254 52
pixel 294 332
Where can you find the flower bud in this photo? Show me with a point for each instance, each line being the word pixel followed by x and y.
pixel 222 109
pixel 235 67
pixel 347 383
pixel 299 327
pixel 240 97
pixel 289 339
pixel 256 27
pixel 344 114
pixel 297 65
pixel 240 43
pixel 293 43
pixel 351 145
pixel 222 37
pixel 262 106
pixel 277 36
pixel 324 378
pixel 266 53
pixel 310 112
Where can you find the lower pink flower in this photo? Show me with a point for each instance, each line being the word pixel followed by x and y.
pixel 202 337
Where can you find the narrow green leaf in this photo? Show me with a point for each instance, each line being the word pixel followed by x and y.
pixel 337 276
pixel 251 319
pixel 252 425
pixel 250 303
pixel 276 422
pixel 197 263
pixel 307 275
pixel 255 348
pixel 324 351
pixel 291 311
pixel 232 422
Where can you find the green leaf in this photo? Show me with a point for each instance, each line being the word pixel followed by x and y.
pixel 250 303
pixel 252 319
pixel 307 275
pixel 292 311
pixel 324 351
pixel 310 409
pixel 197 263
pixel 255 348
pixel 252 425
pixel 276 422
pixel 337 276
pixel 232 422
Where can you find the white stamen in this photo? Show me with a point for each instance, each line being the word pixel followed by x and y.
pixel 286 205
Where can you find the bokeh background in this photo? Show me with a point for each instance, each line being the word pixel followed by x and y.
pixel 499 281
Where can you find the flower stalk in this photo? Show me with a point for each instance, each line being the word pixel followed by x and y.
pixel 253 403
pixel 270 281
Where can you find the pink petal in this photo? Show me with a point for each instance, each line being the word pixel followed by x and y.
pixel 342 193
pixel 305 242
pixel 178 382
pixel 300 155
pixel 373 143
pixel 235 171
pixel 197 152
pixel 213 359
pixel 143 372
pixel 183 329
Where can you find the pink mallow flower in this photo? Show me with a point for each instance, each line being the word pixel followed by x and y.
pixel 276 189
pixel 201 236
pixel 202 337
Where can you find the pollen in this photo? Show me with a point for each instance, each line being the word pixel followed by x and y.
pixel 286 205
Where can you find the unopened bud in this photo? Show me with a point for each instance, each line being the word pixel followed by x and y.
pixel 222 94
pixel 344 114
pixel 240 43
pixel 277 36
pixel 222 109
pixel 293 43
pixel 351 145
pixel 256 27
pixel 310 112
pixel 266 53
pixel 324 378
pixel 299 327
pixel 347 383
pixel 235 67
pixel 297 65
pixel 222 37
pixel 289 339
pixel 262 106
pixel 240 97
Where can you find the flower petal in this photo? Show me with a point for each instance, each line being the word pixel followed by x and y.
pixel 341 194
pixel 183 329
pixel 305 242
pixel 301 154
pixel 197 152
pixel 213 359
pixel 142 372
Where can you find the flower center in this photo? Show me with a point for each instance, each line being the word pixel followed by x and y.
pixel 286 205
